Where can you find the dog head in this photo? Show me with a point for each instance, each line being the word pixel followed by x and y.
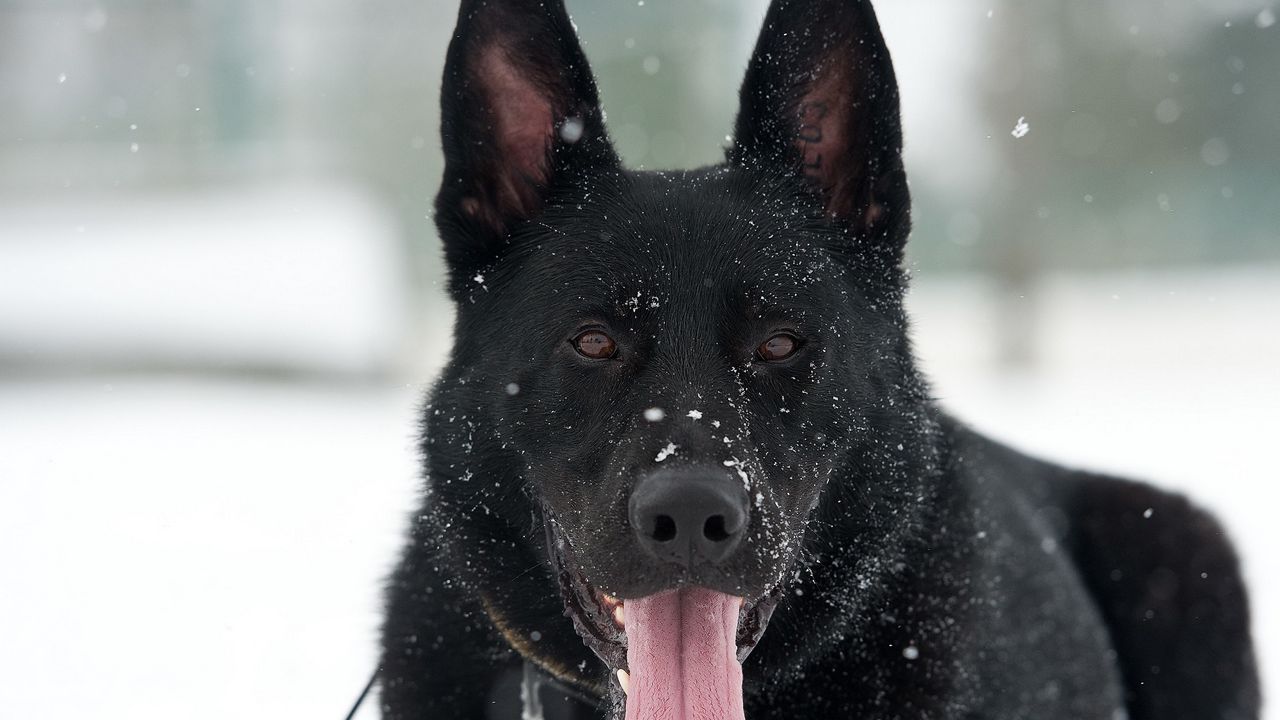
pixel 666 380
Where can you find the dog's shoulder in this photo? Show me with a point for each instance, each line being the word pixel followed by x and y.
pixel 1168 583
pixel 1162 572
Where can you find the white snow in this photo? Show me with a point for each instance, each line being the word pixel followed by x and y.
pixel 193 548
pixel 571 130
pixel 742 473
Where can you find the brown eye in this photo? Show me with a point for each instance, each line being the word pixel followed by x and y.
pixel 779 347
pixel 595 345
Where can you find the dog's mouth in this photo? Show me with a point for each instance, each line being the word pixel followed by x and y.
pixel 677 651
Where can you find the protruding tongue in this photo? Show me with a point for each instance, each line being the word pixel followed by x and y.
pixel 682 652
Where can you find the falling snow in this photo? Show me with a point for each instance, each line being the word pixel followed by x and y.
pixel 571 131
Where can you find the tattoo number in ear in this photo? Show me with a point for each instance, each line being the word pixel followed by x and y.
pixel 811 115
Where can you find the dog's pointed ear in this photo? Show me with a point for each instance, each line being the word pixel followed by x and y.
pixel 519 112
pixel 820 97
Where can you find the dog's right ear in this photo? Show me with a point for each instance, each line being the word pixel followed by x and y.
pixel 519 113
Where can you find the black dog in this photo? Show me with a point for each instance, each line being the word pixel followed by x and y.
pixel 681 403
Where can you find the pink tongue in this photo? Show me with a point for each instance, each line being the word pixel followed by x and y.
pixel 682 651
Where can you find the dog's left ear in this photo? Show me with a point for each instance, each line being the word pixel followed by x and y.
pixel 820 98
pixel 519 114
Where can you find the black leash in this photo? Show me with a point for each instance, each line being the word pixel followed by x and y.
pixel 364 693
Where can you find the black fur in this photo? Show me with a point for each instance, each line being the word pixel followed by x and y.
pixel 921 571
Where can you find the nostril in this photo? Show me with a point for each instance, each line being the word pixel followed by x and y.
pixel 714 530
pixel 691 518
pixel 664 528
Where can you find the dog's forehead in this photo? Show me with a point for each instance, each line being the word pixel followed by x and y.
pixel 660 236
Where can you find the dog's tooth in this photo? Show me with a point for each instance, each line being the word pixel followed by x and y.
pixel 619 616
pixel 625 681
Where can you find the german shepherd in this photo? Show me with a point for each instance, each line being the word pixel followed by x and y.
pixel 682 466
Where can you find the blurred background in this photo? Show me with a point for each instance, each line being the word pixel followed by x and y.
pixel 221 297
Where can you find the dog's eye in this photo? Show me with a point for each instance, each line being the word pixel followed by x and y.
pixel 595 345
pixel 777 348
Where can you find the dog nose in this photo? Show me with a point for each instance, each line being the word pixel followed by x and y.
pixel 681 516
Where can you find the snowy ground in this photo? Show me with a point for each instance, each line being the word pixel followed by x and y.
pixel 208 547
